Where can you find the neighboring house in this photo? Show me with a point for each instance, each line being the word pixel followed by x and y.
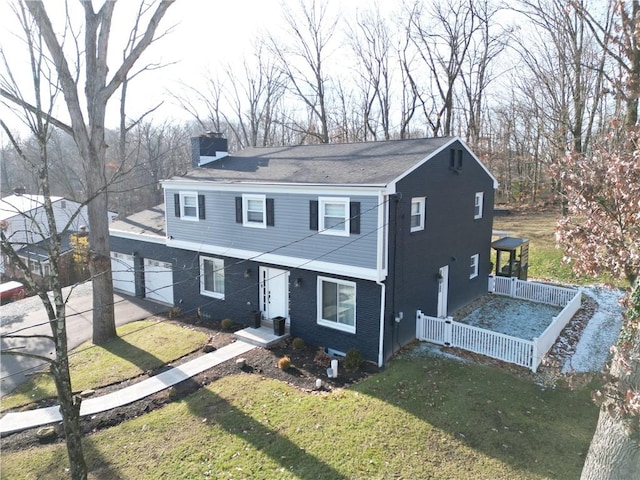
pixel 345 241
pixel 24 223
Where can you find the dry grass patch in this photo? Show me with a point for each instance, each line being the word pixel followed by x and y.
pixel 545 260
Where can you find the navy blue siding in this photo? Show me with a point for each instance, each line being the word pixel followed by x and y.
pixel 451 236
pixel 242 295
pixel 303 308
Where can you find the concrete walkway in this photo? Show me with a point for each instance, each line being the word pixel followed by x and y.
pixel 15 422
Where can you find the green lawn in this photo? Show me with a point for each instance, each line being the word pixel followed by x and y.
pixel 140 346
pixel 423 417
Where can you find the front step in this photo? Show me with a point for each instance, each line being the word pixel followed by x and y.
pixel 261 337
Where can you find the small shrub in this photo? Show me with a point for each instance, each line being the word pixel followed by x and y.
pixel 284 363
pixel 353 360
pixel 174 312
pixel 322 359
pixel 297 343
pixel 226 324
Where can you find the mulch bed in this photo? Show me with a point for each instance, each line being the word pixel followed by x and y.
pixel 305 369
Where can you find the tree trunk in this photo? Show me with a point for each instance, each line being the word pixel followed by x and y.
pixel 104 326
pixel 613 454
pixel 70 410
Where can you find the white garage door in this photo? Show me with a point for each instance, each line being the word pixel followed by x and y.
pixel 158 281
pixel 124 279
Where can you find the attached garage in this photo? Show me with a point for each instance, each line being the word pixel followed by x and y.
pixel 158 281
pixel 123 272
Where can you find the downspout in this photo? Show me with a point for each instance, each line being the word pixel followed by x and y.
pixel 383 264
pixel 383 293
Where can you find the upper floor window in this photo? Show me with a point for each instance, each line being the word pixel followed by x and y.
pixel 418 205
pixel 474 266
pixel 337 304
pixel 334 216
pixel 212 277
pixel 255 211
pixel 479 204
pixel 189 206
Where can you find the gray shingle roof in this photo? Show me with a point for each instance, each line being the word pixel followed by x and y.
pixel 364 163
pixel 147 222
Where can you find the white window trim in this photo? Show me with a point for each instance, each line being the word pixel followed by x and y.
pixel 209 293
pixel 245 211
pixel 475 261
pixel 422 201
pixel 189 218
pixel 330 323
pixel 322 202
pixel 478 205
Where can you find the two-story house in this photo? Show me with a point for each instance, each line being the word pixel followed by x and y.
pixel 345 241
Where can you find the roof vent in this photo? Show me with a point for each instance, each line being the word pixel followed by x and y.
pixel 19 191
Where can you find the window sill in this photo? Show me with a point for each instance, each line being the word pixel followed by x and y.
pixel 336 326
pixel 219 296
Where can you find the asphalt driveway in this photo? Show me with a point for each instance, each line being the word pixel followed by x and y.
pixel 28 317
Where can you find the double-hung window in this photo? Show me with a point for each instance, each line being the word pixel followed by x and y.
pixel 334 216
pixel 473 273
pixel 189 206
pixel 253 211
pixel 479 202
pixel 418 205
pixel 212 277
pixel 337 304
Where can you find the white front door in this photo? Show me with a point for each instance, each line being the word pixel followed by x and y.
pixel 443 291
pixel 274 292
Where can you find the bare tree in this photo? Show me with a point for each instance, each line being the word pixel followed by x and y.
pixel 303 56
pixel 489 41
pixel 44 94
pixel 254 96
pixel 86 105
pixel 372 44
pixel 442 37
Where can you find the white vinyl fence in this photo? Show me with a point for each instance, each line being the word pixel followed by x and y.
pixel 533 291
pixel 526 353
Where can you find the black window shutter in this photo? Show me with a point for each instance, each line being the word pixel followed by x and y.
pixel 313 215
pixel 201 213
pixel 459 158
pixel 176 203
pixel 270 213
pixel 354 213
pixel 238 209
pixel 452 159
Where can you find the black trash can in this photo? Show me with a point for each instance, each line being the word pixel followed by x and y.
pixel 278 326
pixel 256 318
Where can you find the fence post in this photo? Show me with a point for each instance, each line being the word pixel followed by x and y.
pixel 512 287
pixel 534 355
pixel 419 325
pixel 492 284
pixel 448 331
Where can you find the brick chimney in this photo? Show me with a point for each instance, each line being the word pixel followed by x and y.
pixel 207 148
